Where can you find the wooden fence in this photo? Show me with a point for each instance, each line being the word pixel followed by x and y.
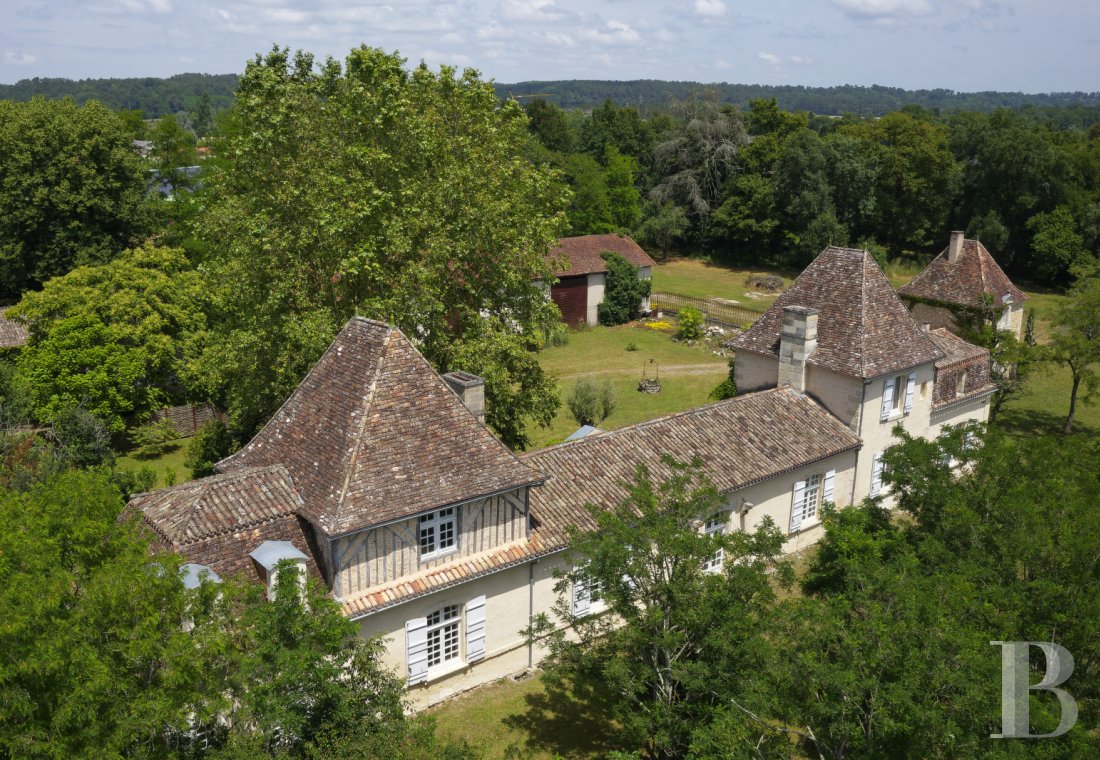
pixel 715 312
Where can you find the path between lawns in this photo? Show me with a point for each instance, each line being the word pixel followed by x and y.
pixel 674 369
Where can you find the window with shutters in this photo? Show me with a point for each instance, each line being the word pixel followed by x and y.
pixel 443 635
pixel 878 467
pixel 898 401
pixel 715 525
pixel 586 596
pixel 811 498
pixel 438 533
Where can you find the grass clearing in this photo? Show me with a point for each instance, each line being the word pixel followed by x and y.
pixel 697 278
pixel 687 373
pixel 547 721
pixel 1043 407
pixel 172 459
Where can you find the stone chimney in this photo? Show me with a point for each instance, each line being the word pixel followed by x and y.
pixel 797 341
pixel 955 247
pixel 471 389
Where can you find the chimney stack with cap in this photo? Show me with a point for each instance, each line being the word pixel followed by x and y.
pixel 797 341
pixel 954 248
pixel 471 389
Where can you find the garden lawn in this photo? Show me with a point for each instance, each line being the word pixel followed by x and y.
pixel 687 373
pixel 526 715
pixel 1044 405
pixel 172 458
pixel 701 279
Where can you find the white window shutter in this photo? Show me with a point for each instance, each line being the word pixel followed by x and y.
pixel 887 398
pixel 416 649
pixel 830 478
pixel 581 600
pixel 876 474
pixel 475 629
pixel 909 389
pixel 797 499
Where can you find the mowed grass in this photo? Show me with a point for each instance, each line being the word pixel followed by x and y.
pixel 697 278
pixel 1043 407
pixel 529 717
pixel 172 458
pixel 687 374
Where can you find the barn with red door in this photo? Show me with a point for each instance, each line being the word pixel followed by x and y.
pixel 582 273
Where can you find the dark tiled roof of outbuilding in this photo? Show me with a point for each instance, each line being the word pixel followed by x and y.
pixel 219 504
pixel 964 282
pixel 12 334
pixel 955 349
pixel 373 434
pixel 583 253
pixel 741 441
pixel 863 328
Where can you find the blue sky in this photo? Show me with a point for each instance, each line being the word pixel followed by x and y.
pixel 1028 45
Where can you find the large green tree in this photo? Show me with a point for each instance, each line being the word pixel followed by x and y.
pixel 72 190
pixel 369 188
pixel 111 337
pixel 1076 341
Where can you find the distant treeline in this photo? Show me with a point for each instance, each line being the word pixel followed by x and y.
pixel 656 94
pixel 153 95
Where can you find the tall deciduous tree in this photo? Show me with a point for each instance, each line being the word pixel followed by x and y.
pixel 1076 341
pixel 110 338
pixel 368 188
pixel 72 190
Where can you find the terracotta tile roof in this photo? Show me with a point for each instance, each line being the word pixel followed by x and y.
pixel 217 521
pixel 208 507
pixel 863 328
pixel 955 349
pixel 374 434
pixel 449 575
pixel 12 334
pixel 741 441
pixel 583 253
pixel 973 274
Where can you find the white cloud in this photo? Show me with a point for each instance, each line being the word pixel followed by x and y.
pixel 884 10
pixel 771 58
pixel 530 10
pixel 710 7
pixel 19 57
pixel 801 60
pixel 619 34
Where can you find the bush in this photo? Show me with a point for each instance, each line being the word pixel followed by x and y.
pixel 771 283
pixel 878 252
pixel 725 389
pixel 557 336
pixel 82 438
pixel 130 482
pixel 623 292
pixel 589 403
pixel 211 444
pixel 631 346
pixel 689 324
pixel 154 437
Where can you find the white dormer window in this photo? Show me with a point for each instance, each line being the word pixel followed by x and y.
pixel 715 526
pixel 438 533
pixel 960 383
pixel 269 554
pixel 1005 320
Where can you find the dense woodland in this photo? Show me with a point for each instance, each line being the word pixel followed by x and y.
pixel 365 187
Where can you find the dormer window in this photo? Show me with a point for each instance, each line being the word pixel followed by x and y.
pixel 269 554
pixel 437 533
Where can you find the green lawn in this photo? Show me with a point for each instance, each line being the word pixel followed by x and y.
pixel 171 459
pixel 529 716
pixel 687 373
pixel 1043 407
pixel 701 279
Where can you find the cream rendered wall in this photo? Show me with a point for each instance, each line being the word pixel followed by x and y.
pixel 753 372
pixel 1016 320
pixel 596 283
pixel 877 435
pixel 840 394
pixel 973 410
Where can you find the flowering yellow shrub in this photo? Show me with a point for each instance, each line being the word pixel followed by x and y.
pixel 659 325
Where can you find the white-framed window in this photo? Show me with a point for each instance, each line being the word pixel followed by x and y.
pixel 897 395
pixel 715 525
pixel 877 468
pixel 807 498
pixel 960 383
pixel 433 644
pixel 443 635
pixel 438 532
pixel 587 596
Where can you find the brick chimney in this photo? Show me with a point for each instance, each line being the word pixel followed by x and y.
pixel 955 247
pixel 797 341
pixel 471 389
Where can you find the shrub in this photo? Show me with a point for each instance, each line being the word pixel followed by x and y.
pixel 767 282
pixel 211 444
pixel 631 346
pixel 689 324
pixel 725 389
pixel 154 437
pixel 591 404
pixel 130 482
pixel 558 335
pixel 169 476
pixel 623 292
pixel 82 438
